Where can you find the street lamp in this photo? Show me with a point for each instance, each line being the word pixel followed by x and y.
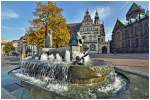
pixel 23 49
pixel 34 47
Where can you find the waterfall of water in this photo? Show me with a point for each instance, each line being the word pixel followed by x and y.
pixel 44 57
pixel 51 58
pixel 58 58
pixel 41 70
pixel 67 56
pixel 76 53
pixel 87 60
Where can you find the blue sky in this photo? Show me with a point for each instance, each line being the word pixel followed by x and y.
pixel 15 15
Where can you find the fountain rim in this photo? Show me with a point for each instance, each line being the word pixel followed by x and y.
pixel 79 85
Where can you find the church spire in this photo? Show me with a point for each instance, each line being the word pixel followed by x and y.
pixel 96 14
pixel 97 20
pixel 87 12
pixel 87 16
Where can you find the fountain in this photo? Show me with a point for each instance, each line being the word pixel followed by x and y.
pixel 58 58
pixel 76 77
pixel 67 56
pixel 51 58
pixel 44 57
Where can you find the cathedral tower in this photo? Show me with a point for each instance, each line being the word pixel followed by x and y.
pixel 97 19
pixel 87 18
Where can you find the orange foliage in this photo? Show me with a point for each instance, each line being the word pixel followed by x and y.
pixel 50 14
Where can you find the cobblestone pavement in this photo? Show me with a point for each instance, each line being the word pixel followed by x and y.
pixel 9 60
pixel 138 63
pixel 131 62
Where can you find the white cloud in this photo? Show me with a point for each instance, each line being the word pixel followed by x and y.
pixel 102 11
pixel 9 14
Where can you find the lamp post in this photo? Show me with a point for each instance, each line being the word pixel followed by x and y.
pixel 23 49
pixel 34 48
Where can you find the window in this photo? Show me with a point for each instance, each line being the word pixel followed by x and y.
pixel 146 31
pixel 135 31
pixel 92 47
pixel 126 34
pixel 131 31
pixel 98 39
pixel 102 40
pixel 136 43
pixel 129 44
pixel 90 37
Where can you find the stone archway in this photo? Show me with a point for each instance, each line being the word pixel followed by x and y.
pixel 104 49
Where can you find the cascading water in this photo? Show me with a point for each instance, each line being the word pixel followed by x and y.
pixel 52 73
pixel 44 57
pixel 87 60
pixel 67 56
pixel 41 70
pixel 58 58
pixel 51 58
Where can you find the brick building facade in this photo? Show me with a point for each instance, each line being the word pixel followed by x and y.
pixel 132 35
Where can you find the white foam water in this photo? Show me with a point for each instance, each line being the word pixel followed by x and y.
pixel 58 58
pixel 67 56
pixel 51 58
pixel 57 87
pixel 44 57
pixel 87 60
pixel 114 87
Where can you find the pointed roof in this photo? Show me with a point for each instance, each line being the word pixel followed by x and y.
pixel 118 25
pixel 87 12
pixel 87 16
pixel 74 27
pixel 96 14
pixel 133 8
pixel 147 12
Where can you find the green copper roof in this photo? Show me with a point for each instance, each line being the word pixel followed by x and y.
pixel 124 22
pixel 133 20
pixel 135 6
pixel 147 12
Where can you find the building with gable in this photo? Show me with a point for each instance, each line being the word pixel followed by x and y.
pixel 92 33
pixel 131 35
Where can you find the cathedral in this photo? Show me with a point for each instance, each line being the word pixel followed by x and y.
pixel 92 33
pixel 132 34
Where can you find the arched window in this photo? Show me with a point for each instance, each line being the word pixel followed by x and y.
pixel 135 30
pixel 146 29
pixel 129 44
pixel 136 43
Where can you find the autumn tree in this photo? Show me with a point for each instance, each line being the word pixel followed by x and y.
pixel 35 36
pixel 49 17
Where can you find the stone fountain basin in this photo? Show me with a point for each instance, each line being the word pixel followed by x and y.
pixel 79 74
pixel 82 81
